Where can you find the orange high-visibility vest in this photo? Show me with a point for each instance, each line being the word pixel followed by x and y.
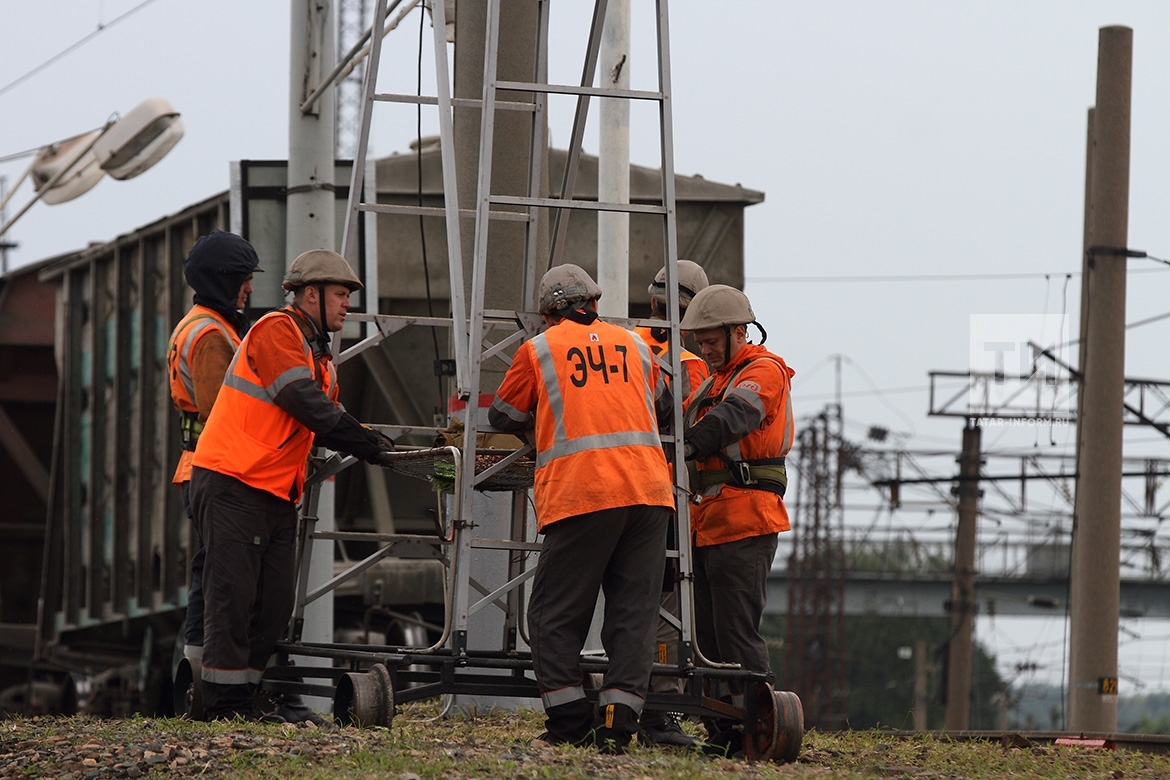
pixel 199 322
pixel 694 368
pixel 247 435
pixel 592 388
pixel 727 512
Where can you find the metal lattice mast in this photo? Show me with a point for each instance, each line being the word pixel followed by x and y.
pixel 815 638
pixel 352 22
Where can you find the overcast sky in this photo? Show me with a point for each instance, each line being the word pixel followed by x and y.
pixel 894 139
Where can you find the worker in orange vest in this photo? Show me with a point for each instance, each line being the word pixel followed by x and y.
pixel 603 496
pixel 691 280
pixel 219 269
pixel 278 401
pixel 662 728
pixel 742 429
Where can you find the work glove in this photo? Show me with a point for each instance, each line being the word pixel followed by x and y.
pixel 351 437
pixel 382 443
pixel 702 439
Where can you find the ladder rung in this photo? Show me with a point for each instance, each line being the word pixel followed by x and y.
pixel 439 211
pixel 587 205
pixel 495 316
pixel 565 89
pixel 431 100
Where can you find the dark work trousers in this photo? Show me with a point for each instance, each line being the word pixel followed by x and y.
pixel 193 633
pixel 731 587
pixel 248 576
pixel 621 552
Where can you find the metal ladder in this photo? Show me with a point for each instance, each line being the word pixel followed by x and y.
pixel 471 320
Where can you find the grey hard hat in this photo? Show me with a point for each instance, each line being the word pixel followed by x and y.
pixel 321 266
pixel 564 286
pixel 716 306
pixel 692 279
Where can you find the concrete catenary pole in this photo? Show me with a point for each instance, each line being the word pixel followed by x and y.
pixel 963 589
pixel 1095 575
pixel 613 163
pixel 1083 336
pixel 310 225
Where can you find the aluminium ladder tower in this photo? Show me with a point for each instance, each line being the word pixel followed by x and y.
pixel 772 721
pixel 471 320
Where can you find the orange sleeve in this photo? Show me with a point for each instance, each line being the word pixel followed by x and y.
pixel 275 345
pixel 209 362
pixel 518 389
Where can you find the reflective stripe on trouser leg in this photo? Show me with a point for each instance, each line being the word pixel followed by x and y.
pixel 562 696
pixel 625 549
pixel 633 588
pixel 614 696
pixel 249 536
pixel 572 560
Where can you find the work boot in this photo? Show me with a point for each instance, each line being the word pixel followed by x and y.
pixel 568 724
pixel 292 708
pixel 228 702
pixel 723 738
pixel 618 725
pixel 663 728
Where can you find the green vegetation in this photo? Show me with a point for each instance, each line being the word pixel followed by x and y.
pixel 879 680
pixel 421 746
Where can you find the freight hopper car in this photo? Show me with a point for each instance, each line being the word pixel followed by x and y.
pixel 94 543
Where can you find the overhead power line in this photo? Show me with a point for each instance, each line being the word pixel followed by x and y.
pixel 924 277
pixel 70 48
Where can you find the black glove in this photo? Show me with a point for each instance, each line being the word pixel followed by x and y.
pixel 353 438
pixel 703 438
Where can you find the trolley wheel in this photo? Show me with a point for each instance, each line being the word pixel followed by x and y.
pixel 760 745
pixel 364 698
pixel 188 690
pixel 790 726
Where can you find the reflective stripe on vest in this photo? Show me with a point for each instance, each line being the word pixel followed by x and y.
pixel 187 333
pixel 248 436
pixel 562 445
pixel 732 454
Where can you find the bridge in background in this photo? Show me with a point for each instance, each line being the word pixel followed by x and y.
pixel 911 578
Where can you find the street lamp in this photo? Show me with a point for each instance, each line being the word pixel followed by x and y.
pixel 123 148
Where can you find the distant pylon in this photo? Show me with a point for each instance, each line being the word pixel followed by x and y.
pixel 353 17
pixel 814 646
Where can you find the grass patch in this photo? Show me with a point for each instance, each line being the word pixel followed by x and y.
pixel 421 745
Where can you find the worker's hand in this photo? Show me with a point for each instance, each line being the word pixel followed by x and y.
pixel 702 439
pixel 379 443
pixel 353 438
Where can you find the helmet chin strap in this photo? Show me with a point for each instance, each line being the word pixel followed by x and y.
pixel 324 335
pixel 321 303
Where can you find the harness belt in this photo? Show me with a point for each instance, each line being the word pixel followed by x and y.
pixel 763 474
pixel 190 427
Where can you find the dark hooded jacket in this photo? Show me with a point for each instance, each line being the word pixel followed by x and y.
pixel 215 268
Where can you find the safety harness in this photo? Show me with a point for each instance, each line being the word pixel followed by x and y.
pixel 759 474
pixel 190 426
